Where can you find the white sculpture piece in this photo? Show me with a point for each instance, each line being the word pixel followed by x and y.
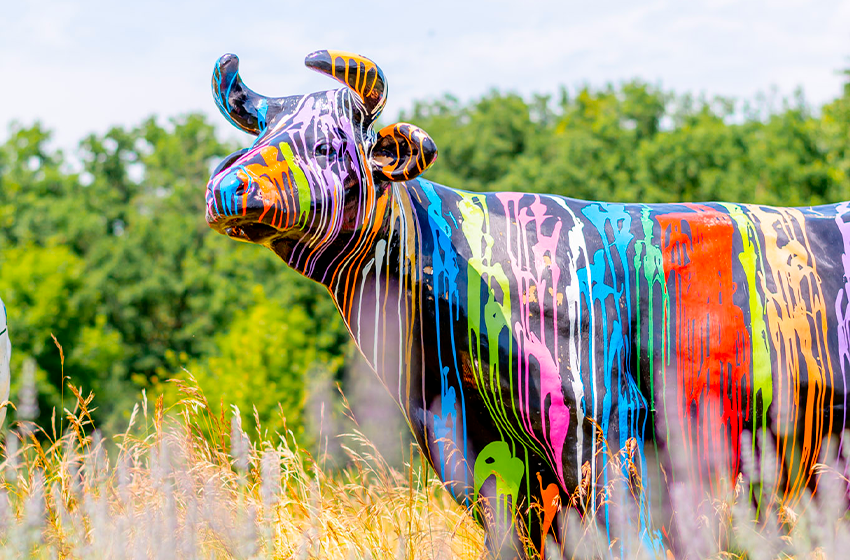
pixel 5 356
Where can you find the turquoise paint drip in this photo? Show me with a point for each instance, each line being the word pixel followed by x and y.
pixel 262 111
pixel 616 348
pixel 444 262
pixel 228 186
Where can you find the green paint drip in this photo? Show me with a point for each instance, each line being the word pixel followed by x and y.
pixel 497 460
pixel 648 257
pixel 650 261
pixel 475 227
pixel 762 378
pixel 299 183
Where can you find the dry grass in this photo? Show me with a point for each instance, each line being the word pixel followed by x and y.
pixel 187 483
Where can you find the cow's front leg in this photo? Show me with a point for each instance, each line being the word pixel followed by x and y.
pixel 501 519
pixel 518 498
pixel 478 472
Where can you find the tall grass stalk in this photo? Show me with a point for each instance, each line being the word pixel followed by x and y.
pixel 188 483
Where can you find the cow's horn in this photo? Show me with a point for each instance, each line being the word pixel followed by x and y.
pixel 357 72
pixel 243 107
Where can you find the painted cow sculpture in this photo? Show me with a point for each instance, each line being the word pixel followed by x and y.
pixel 530 338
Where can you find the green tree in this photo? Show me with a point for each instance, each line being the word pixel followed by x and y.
pixel 118 263
pixel 263 360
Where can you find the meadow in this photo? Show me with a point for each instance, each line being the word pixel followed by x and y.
pixel 188 483
pixel 116 450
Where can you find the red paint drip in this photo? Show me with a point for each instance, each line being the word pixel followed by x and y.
pixel 712 344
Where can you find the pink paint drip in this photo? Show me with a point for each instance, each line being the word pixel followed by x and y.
pixel 555 420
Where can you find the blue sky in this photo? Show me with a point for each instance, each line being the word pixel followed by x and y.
pixel 84 66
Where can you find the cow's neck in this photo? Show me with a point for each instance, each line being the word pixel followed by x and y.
pixel 372 275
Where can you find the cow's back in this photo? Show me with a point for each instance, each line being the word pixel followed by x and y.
pixel 554 325
pixel 755 334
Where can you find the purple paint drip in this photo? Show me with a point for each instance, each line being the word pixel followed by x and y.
pixel 842 306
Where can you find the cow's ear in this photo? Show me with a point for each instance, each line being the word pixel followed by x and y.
pixel 402 152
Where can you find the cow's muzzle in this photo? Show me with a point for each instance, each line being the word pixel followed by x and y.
pixel 252 232
pixel 233 208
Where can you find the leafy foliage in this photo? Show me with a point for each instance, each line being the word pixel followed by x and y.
pixel 119 265
pixel 263 362
pixel 636 143
pixel 117 262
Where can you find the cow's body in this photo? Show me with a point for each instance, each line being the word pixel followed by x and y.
pixel 540 323
pixel 531 338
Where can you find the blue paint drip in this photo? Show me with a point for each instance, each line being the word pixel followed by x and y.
pixel 217 78
pixel 630 401
pixel 444 262
pixel 226 97
pixel 223 99
pixel 262 111
pixel 227 187
pixel 443 428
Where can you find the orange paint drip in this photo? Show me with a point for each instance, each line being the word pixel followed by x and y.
pixel 363 251
pixel 269 179
pixel 374 80
pixel 796 323
pixel 336 204
pixel 358 81
pixel 550 496
pixel 359 254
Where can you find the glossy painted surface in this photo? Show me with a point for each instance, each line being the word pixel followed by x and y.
pixel 530 338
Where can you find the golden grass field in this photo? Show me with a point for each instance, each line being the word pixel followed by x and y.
pixel 187 483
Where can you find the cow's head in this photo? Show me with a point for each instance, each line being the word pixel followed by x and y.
pixel 317 167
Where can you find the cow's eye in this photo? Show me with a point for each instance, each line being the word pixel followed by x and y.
pixel 325 150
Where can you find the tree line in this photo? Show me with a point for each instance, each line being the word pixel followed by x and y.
pixel 116 264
